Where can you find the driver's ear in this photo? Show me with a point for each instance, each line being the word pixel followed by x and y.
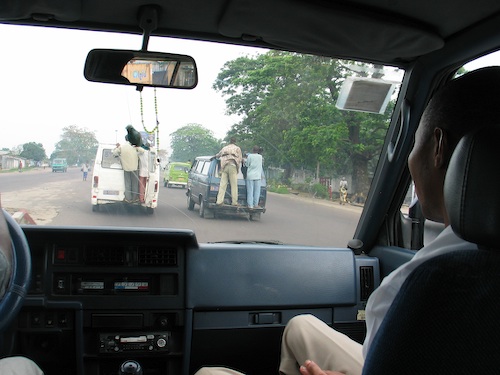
pixel 440 138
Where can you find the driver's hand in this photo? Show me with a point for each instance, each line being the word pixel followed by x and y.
pixel 311 368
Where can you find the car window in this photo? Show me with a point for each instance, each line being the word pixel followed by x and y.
pixel 295 108
pixel 206 167
pixel 109 160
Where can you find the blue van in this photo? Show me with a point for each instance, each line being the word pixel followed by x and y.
pixel 203 186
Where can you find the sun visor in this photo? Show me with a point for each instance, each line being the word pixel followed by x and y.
pixel 61 10
pixel 342 32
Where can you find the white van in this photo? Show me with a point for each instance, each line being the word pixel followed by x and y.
pixel 108 183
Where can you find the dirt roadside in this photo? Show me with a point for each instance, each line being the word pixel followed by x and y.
pixel 42 204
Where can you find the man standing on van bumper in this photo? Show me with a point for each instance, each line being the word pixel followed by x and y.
pixel 254 176
pixel 130 164
pixel 230 161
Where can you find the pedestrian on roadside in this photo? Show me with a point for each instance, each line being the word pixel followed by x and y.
pixel 85 170
pixel 343 190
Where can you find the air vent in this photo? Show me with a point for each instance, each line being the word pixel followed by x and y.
pixel 366 282
pixel 157 256
pixel 105 256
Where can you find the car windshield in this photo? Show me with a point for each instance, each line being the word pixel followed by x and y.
pixel 317 142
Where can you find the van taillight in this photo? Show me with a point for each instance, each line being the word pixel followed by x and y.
pixel 96 181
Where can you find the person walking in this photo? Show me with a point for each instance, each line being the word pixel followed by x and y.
pixel 230 162
pixel 130 164
pixel 343 191
pixel 85 170
pixel 254 177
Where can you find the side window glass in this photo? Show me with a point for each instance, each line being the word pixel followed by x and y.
pixel 199 166
pixel 206 167
pixel 109 160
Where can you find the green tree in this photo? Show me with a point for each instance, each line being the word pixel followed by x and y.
pixel 77 145
pixel 33 151
pixel 191 141
pixel 287 103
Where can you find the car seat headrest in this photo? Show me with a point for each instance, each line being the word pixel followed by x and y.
pixel 472 188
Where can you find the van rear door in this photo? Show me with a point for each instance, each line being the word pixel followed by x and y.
pixel 108 176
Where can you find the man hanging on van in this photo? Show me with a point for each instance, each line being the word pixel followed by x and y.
pixel 230 162
pixel 130 164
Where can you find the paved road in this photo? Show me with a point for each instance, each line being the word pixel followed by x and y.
pixel 64 199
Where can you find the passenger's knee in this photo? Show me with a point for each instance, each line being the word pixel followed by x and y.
pixel 217 371
pixel 295 326
pixel 204 371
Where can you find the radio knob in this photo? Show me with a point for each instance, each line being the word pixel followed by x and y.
pixel 161 342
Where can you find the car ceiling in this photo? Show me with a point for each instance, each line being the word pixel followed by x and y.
pixel 388 31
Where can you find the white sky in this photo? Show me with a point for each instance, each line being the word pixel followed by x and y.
pixel 44 90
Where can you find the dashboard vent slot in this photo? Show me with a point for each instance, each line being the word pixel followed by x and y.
pixel 105 256
pixel 157 256
pixel 366 282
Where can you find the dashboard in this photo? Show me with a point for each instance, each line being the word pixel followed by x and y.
pixel 103 296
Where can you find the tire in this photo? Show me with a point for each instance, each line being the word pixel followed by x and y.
pixel 95 208
pixel 164 183
pixel 150 210
pixel 255 216
pixel 205 212
pixel 202 208
pixel 190 202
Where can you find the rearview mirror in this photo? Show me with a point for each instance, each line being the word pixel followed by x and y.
pixel 141 68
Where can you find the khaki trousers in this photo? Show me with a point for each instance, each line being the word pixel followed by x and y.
pixel 307 337
pixel 229 173
pixel 19 366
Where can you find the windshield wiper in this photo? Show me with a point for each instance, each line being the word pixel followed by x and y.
pixel 270 242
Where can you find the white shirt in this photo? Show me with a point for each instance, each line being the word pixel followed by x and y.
pixel 143 162
pixel 381 299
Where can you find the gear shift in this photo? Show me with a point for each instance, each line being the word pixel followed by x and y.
pixel 130 368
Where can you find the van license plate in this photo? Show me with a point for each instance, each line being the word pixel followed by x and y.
pixel 111 192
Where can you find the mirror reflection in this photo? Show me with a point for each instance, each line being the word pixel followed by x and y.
pixel 168 73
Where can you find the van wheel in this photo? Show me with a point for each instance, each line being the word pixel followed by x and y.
pixel 190 202
pixel 95 208
pixel 205 212
pixel 150 210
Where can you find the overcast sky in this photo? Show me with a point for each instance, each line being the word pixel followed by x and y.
pixel 43 88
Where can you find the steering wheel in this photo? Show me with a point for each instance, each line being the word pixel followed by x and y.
pixel 16 292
